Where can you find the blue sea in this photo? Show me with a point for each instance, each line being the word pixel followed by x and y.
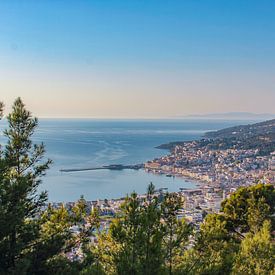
pixel 79 143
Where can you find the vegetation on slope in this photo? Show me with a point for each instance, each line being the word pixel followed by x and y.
pixel 259 136
pixel 146 237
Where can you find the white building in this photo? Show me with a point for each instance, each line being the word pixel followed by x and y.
pixel 271 165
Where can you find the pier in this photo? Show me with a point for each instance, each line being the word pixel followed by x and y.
pixel 105 167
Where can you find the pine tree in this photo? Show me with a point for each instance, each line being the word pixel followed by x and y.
pixel 136 235
pixel 214 248
pixel 1 157
pixel 176 232
pixel 20 205
pixel 257 253
pixel 1 109
pixel 126 233
pixel 152 229
pixel 233 232
pixel 248 207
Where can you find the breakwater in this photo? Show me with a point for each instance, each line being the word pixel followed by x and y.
pixel 105 167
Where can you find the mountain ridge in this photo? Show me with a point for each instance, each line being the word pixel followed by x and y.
pixel 234 115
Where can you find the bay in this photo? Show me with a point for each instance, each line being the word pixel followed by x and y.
pixel 84 143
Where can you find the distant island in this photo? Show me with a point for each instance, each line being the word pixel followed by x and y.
pixel 233 116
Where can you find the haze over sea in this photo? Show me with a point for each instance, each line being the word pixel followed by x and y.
pixel 84 143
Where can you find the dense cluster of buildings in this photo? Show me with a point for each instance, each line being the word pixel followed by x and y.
pixel 223 169
pixel 219 172
pixel 271 167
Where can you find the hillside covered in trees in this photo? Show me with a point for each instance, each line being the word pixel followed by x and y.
pixel 259 136
pixel 146 237
pixel 245 131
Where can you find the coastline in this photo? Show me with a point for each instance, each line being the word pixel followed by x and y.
pixel 90 144
pixel 222 159
pixel 198 182
pixel 169 148
pixel 225 159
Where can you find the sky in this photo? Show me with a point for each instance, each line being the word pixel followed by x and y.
pixel 138 58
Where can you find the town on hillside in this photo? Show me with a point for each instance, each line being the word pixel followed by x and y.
pixel 221 162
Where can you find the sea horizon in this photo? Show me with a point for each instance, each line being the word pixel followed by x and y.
pixel 84 143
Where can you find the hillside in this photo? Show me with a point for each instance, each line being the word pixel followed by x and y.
pixel 245 131
pixel 253 136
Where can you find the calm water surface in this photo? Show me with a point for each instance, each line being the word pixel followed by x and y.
pixel 88 143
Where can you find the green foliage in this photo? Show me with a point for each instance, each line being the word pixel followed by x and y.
pixel 214 249
pixel 126 232
pixel 257 253
pixel 34 239
pixel 176 232
pixel 55 237
pixel 1 109
pixel 226 239
pixel 22 168
pixel 248 207
pixel 152 234
pixel 260 136
pixel 146 236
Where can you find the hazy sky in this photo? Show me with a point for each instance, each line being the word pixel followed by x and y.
pixel 138 58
